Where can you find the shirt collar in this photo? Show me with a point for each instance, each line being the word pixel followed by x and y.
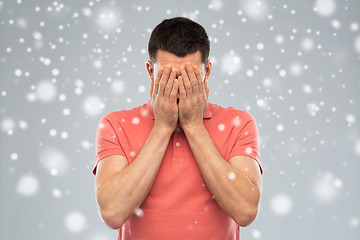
pixel 147 111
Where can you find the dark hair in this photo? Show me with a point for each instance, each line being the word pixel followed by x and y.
pixel 180 36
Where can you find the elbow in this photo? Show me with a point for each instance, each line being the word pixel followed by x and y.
pixel 112 220
pixel 245 218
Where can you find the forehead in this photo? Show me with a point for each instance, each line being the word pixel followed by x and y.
pixel 163 58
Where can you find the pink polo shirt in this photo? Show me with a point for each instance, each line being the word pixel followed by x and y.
pixel 179 205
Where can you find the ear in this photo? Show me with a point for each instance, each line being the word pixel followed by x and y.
pixel 207 75
pixel 150 69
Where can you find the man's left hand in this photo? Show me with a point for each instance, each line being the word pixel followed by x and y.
pixel 193 99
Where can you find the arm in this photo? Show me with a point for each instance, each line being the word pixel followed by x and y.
pixel 236 185
pixel 120 187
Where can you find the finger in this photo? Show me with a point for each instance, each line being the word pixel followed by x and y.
pixel 170 82
pixel 186 81
pixel 199 79
pixel 164 79
pixel 174 91
pixel 156 84
pixel 182 88
pixel 192 77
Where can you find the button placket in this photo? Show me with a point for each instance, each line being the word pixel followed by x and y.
pixel 177 160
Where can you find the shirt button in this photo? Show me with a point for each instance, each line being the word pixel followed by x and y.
pixel 177 144
pixel 178 129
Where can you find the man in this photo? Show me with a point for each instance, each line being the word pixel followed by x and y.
pixel 178 167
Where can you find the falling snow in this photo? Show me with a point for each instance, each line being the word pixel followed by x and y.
pixel 75 221
pixel 294 66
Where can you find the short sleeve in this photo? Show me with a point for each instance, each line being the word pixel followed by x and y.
pixel 247 142
pixel 107 140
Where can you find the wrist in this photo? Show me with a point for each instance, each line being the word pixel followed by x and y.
pixel 193 127
pixel 163 128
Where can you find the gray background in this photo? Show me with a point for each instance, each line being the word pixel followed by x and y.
pixel 293 65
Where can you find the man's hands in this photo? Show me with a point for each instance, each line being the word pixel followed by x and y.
pixel 193 99
pixel 186 84
pixel 164 98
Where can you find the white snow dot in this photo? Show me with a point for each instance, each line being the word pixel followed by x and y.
pixel 295 69
pixel 56 193
pixel 313 108
pixel 338 183
pixel 93 106
pixel 221 127
pixel 232 175
pixel 64 135
pixel 23 125
pixel 279 39
pixel 46 91
pixel 53 132
pixel 14 156
pixel 307 89
pixel 325 8
pixel 357 147
pixel 325 189
pixel 78 91
pixel 18 72
pixel 216 5
pixel 280 127
pixel 282 73
pixel 350 118
pixel 75 221
pixel 248 150
pixel 118 86
pixel 108 19
pixel 47 61
pixel 267 82
pixel 256 234
pixel 257 10
pixel 249 73
pixel 87 12
pixel 27 185
pixel 86 144
pixel 231 63
pixel 37 36
pixel 62 97
pixel 281 204
pixel 31 97
pixel 354 222
pixel 54 172
pixel 262 103
pixel 260 46
pixel 98 64
pixel 135 120
pixel 7 124
pixel 139 212
pixel 142 88
pixel 54 159
pixel 357 44
pixel 354 26
pixel 335 24
pixel 66 111
pixel 55 72
pixel 307 44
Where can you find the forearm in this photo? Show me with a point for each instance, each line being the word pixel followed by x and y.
pixel 233 190
pixel 126 190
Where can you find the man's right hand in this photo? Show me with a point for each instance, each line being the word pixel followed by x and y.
pixel 164 98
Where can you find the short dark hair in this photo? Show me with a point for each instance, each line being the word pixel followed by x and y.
pixel 180 36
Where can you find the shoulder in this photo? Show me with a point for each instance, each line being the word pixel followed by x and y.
pixel 126 115
pixel 230 112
